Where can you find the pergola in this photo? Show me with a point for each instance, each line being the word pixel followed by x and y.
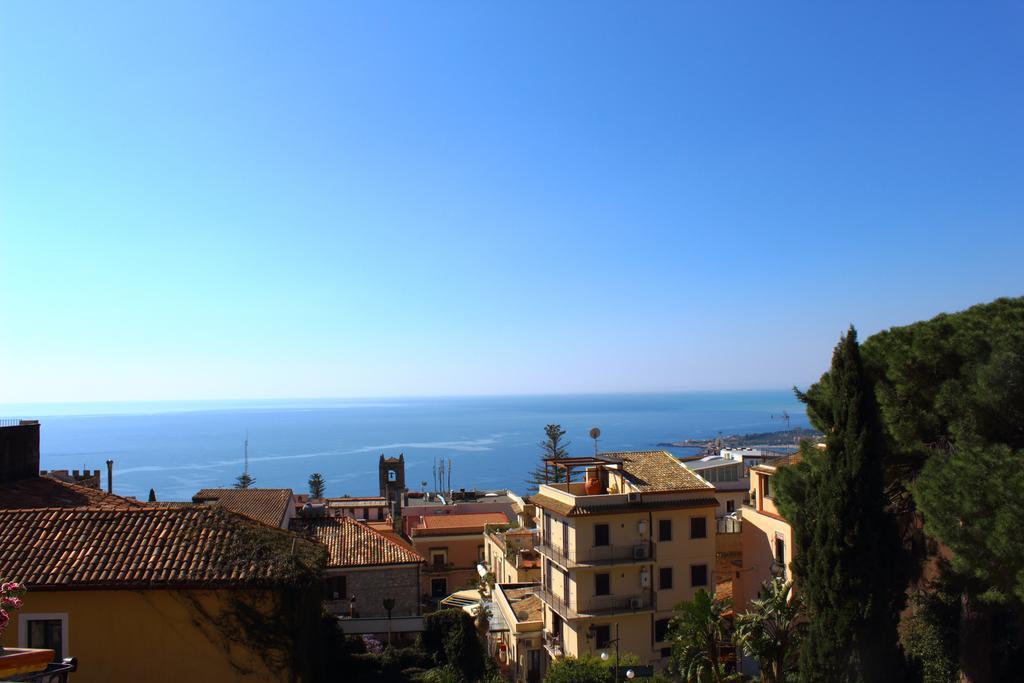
pixel 552 465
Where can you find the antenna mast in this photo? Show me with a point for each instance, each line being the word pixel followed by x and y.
pixel 246 470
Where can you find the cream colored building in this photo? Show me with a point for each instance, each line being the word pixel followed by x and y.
pixel 510 554
pixel 767 538
pixel 623 547
pixel 519 647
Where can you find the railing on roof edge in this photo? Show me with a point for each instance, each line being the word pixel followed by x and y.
pixel 55 672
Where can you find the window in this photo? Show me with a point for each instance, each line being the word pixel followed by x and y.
pixel 665 578
pixel 44 631
pixel 664 529
pixel 438 558
pixel 392 475
pixel 335 588
pixel 556 625
pixel 730 506
pixel 698 575
pixel 600 534
pixel 480 553
pixel 766 491
pixel 698 527
pixel 602 584
pixel 660 630
pixel 603 636
pixel 439 588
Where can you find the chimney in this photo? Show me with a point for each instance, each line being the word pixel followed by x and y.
pixel 110 476
pixel 19 450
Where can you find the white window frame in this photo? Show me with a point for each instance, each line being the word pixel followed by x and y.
pixel 25 617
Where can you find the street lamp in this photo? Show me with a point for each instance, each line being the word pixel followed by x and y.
pixel 592 632
pixel 389 604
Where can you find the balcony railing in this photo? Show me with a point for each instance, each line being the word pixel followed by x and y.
pixel 553 644
pixel 728 525
pixel 598 555
pixel 55 672
pixel 596 605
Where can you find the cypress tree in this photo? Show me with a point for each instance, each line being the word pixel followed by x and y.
pixel 849 558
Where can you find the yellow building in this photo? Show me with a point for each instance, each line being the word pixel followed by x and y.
pixel 510 554
pixel 766 538
pixel 150 593
pixel 453 546
pixel 518 647
pixel 622 548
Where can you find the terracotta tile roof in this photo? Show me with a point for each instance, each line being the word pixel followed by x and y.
pixel 775 463
pixel 567 510
pixel 263 505
pixel 41 492
pixel 658 471
pixel 386 529
pixel 351 543
pixel 470 522
pixel 142 547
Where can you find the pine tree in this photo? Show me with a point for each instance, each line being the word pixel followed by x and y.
pixel 970 500
pixel 244 481
pixel 316 485
pixel 152 495
pixel 849 559
pixel 551 447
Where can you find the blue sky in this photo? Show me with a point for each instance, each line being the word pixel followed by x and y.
pixel 230 200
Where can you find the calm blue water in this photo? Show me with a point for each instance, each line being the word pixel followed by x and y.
pixel 180 447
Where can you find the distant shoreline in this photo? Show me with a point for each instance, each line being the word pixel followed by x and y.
pixel 786 437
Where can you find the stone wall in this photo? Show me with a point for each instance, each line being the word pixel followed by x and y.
pixel 372 584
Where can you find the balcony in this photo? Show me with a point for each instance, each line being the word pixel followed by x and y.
pixel 598 605
pixel 553 645
pixel 598 556
pixel 574 495
pixel 728 525
pixel 20 664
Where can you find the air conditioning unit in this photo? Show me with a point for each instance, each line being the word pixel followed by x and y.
pixel 636 603
pixel 633 497
pixel 640 552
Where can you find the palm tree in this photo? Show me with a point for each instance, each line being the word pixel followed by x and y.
pixel 696 633
pixel 771 630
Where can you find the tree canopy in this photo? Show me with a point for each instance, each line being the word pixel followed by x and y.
pixel 849 565
pixel 316 485
pixel 950 395
pixel 553 446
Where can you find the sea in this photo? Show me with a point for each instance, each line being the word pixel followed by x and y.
pixel 179 447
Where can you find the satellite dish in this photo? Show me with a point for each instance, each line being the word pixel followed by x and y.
pixel 595 433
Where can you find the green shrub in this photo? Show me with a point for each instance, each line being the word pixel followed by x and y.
pixel 450 638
